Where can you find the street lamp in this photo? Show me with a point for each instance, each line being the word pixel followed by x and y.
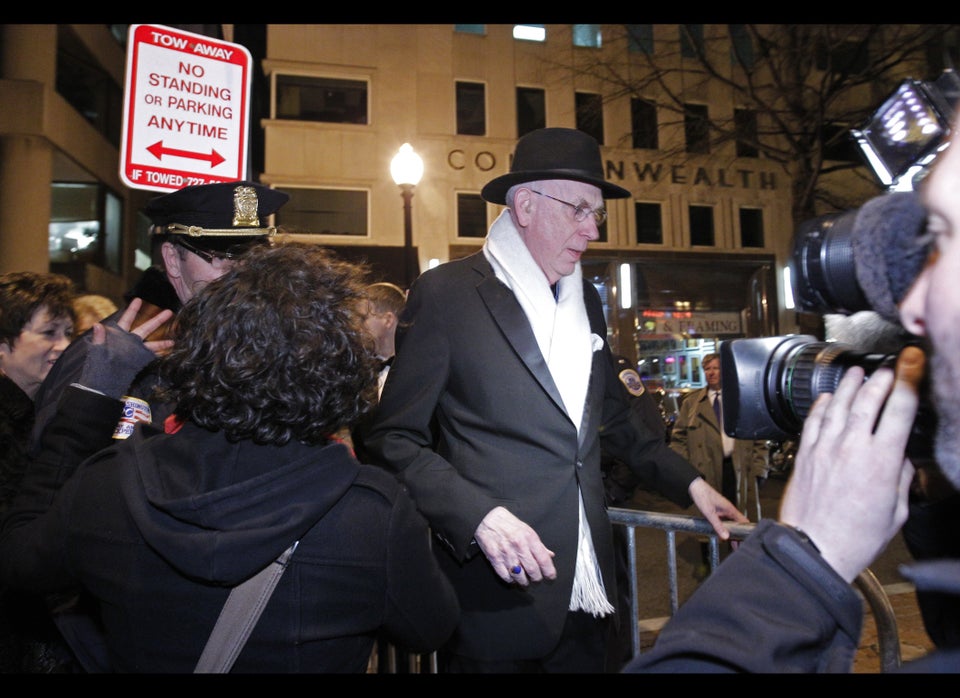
pixel 406 168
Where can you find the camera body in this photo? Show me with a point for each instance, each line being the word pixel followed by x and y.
pixel 859 260
pixel 770 383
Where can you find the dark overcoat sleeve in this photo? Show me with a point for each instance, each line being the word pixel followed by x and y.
pixel 82 424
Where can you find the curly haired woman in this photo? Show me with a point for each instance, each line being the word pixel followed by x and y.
pixel 270 362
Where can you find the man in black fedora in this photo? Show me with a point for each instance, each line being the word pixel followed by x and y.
pixel 500 393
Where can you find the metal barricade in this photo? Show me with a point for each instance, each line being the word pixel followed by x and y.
pixel 887 635
pixel 671 524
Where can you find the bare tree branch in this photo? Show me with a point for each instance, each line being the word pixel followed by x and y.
pixel 809 84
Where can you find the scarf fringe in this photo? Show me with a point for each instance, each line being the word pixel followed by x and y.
pixel 589 593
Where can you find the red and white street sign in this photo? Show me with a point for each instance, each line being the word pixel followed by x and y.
pixel 186 109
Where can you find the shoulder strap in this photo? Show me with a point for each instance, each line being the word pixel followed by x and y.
pixel 240 613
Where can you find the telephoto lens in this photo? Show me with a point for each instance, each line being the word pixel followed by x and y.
pixel 770 384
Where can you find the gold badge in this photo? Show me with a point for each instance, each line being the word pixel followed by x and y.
pixel 245 207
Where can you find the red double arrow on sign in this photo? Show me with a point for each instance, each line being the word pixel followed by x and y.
pixel 159 151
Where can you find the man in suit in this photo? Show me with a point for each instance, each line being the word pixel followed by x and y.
pixel 385 302
pixel 728 464
pixel 734 466
pixel 500 393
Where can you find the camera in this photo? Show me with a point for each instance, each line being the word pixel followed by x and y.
pixel 859 260
pixel 900 142
pixel 770 384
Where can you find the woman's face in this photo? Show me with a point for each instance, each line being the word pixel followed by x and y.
pixel 28 361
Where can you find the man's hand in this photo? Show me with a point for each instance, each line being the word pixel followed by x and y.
pixel 514 549
pixel 715 507
pixel 849 487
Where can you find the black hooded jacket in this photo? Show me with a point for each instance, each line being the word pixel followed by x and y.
pixel 159 527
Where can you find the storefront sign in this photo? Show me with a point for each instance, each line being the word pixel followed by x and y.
pixel 691 324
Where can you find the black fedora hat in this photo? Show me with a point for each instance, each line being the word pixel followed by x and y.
pixel 554 153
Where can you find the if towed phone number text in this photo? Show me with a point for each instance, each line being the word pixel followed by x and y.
pixel 174 180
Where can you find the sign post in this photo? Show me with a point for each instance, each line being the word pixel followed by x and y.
pixel 186 109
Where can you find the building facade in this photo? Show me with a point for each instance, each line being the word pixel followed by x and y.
pixel 695 256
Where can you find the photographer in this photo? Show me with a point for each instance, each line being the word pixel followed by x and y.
pixel 847 498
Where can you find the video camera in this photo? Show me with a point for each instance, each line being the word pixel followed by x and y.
pixel 844 263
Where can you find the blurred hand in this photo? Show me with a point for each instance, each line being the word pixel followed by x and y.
pixel 849 487
pixel 507 541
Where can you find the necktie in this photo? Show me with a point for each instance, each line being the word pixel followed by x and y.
pixel 718 409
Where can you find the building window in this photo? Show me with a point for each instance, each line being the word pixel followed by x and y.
pixel 643 119
pixel 649 223
pixel 470 28
pixel 471 216
pixel 530 32
pixel 85 228
pixel 691 40
pixel 586 35
pixel 701 226
pixel 471 109
pixel 745 125
pixel 751 227
pixel 330 100
pixel 324 212
pixel 88 88
pixel 531 110
pixel 590 114
pixel 640 38
pixel 741 46
pixel 695 127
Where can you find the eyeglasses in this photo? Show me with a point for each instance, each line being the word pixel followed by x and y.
pixel 580 212
pixel 208 256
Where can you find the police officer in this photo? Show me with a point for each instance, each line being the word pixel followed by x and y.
pixel 196 233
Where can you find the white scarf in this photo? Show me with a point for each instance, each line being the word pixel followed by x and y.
pixel 563 335
pixel 560 325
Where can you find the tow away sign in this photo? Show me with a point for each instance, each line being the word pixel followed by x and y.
pixel 186 109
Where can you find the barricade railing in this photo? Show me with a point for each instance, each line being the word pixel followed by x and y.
pixel 869 586
pixel 671 524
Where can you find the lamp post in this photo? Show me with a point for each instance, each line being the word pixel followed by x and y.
pixel 406 168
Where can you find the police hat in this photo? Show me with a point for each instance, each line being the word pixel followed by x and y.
pixel 216 217
pixel 554 153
